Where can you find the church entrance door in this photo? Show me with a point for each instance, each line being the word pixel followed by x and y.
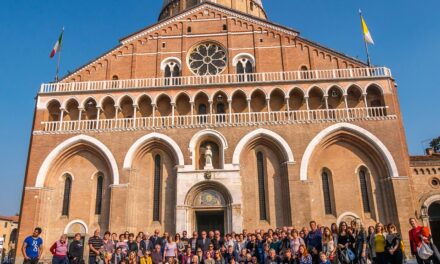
pixel 210 221
pixel 434 222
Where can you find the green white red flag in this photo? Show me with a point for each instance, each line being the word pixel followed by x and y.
pixel 57 47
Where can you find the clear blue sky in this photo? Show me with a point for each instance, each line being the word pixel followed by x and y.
pixel 406 35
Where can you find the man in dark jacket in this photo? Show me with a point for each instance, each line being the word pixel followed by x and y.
pixel 155 239
pixel 204 242
pixel 193 242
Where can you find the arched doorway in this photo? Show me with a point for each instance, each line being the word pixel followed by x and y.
pixel 434 222
pixel 210 205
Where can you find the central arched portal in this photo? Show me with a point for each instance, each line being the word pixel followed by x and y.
pixel 209 207
pixel 434 221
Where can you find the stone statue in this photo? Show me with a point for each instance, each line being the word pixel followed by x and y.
pixel 208 158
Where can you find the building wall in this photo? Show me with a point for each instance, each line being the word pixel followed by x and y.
pixel 293 184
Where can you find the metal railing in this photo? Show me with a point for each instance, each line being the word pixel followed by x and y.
pixel 218 120
pixel 266 77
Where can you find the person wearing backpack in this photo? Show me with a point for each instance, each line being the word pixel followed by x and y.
pixel 415 239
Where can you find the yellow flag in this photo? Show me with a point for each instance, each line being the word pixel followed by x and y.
pixel 367 34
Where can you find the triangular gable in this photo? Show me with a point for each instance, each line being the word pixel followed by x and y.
pixel 267 25
pixel 214 7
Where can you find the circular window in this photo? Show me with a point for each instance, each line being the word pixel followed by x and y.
pixel 207 59
pixel 435 182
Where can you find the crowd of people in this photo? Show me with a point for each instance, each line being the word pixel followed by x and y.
pixel 348 243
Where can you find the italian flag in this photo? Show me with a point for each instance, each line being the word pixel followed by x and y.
pixel 57 46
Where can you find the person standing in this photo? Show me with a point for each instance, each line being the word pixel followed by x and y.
pixel 415 241
pixel 109 246
pixel 378 242
pixel 204 242
pixel 95 245
pixel 170 249
pixel 33 247
pixel 192 242
pixel 76 250
pixel 393 249
pixel 329 246
pixel 314 242
pixel 59 251
pixel 361 243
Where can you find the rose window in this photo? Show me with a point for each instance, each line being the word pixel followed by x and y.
pixel 207 59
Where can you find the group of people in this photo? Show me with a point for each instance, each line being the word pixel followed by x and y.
pixel 348 243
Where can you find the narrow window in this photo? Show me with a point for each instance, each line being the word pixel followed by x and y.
pixel 327 193
pixel 202 112
pixel 66 197
pixel 364 191
pixel 225 27
pixel 261 186
pixel 189 29
pixel 157 181
pixel 99 185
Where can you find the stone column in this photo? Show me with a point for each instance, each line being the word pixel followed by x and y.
pixel 61 118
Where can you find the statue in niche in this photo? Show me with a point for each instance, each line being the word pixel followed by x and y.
pixel 208 158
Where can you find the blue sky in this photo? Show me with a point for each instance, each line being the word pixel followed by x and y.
pixel 406 35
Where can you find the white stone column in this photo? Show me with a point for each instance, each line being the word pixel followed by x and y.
pixel 117 108
pixel 61 118
pixel 346 106
pixel 249 109
pixel 307 107
pixel 80 110
pixel 366 104
pixel 98 113
pixel 211 114
pixel 153 106
pixel 173 107
pixel 135 108
pixel 192 112
pixel 230 110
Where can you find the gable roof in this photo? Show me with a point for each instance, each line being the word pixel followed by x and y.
pixel 216 7
pixel 232 12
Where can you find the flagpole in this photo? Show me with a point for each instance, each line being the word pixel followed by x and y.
pixel 365 42
pixel 59 59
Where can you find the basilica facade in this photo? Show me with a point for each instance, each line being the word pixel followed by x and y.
pixel 216 117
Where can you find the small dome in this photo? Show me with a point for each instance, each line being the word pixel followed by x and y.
pixel 173 7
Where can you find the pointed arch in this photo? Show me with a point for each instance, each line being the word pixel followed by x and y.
pixel 287 151
pixel 128 161
pixel 84 102
pixel 81 139
pixel 124 97
pixel 380 147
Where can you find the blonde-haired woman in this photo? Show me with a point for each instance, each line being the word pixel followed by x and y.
pixel 377 245
pixel 361 242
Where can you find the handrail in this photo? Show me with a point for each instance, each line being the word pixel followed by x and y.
pixel 266 77
pixel 218 120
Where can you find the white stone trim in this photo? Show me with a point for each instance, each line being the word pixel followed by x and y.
pixel 128 161
pixel 392 168
pixel 262 132
pixel 167 60
pixel 42 173
pixel 210 132
pixel 346 214
pixel 77 221
pixel 241 55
